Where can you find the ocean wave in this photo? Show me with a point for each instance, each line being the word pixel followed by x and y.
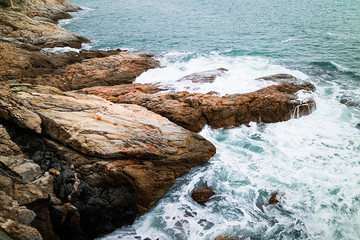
pixel 239 77
pixel 331 66
pixel 75 16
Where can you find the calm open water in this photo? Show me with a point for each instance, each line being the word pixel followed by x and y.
pixel 312 162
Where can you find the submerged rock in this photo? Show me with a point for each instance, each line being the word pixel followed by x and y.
pixel 349 102
pixel 279 78
pixel 202 195
pixel 205 76
pixel 193 110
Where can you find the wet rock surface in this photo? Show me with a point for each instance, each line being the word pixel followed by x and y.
pixel 202 195
pixel 273 199
pixel 194 110
pixel 350 102
pixel 205 76
pixel 224 238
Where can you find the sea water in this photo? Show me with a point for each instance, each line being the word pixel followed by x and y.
pixel 312 162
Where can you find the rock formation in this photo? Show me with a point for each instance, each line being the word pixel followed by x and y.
pixel 202 195
pixel 20 30
pixel 107 161
pixel 32 26
pixel 194 110
pixel 121 68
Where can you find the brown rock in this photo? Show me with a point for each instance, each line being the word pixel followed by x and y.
pixel 17 231
pixel 131 144
pixel 202 195
pixel 112 70
pixel 32 63
pixel 350 102
pixel 273 199
pixel 224 238
pixel 18 29
pixel 193 110
pixel 32 210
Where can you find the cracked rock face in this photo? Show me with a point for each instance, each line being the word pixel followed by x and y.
pixel 193 110
pixel 101 144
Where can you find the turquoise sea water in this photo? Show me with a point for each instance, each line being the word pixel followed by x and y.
pixel 313 162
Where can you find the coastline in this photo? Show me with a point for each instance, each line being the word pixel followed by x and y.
pixel 71 166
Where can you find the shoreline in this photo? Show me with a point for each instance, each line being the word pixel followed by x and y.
pixel 72 164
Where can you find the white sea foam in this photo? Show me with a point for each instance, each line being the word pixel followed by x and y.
pixel 84 46
pixel 239 79
pixel 61 49
pixel 288 40
pixel 75 16
pixel 339 67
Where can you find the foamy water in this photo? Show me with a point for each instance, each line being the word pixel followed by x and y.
pixel 312 162
pixel 240 77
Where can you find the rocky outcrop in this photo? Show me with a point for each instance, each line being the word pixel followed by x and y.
pixel 49 9
pixel 121 68
pixel 202 195
pixel 194 110
pixel 71 70
pixel 20 30
pixel 106 161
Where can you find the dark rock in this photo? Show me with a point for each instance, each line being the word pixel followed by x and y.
pixel 273 199
pixel 205 76
pixel 202 195
pixel 88 211
pixel 350 102
pixel 280 78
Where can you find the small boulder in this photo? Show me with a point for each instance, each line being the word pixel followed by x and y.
pixel 202 195
pixel 350 102
pixel 273 199
pixel 280 78
pixel 205 76
pixel 224 238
